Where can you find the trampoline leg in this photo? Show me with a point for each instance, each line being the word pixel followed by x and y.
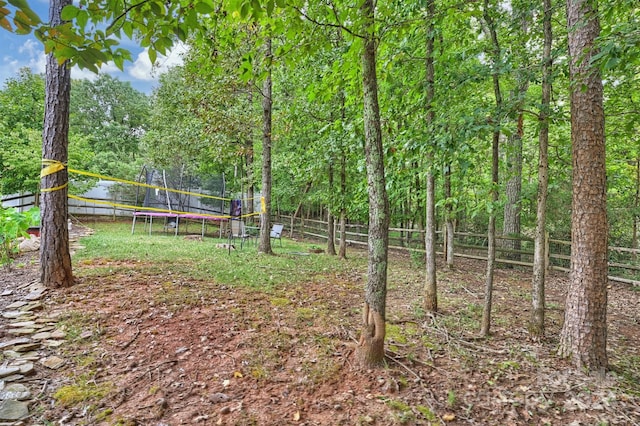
pixel 133 225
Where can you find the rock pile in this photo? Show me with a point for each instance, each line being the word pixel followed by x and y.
pixel 28 344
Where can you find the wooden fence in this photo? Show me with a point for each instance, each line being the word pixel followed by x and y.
pixel 624 265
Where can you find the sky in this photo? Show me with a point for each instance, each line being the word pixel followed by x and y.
pixel 19 51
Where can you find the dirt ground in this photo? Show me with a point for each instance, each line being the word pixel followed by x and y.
pixel 148 348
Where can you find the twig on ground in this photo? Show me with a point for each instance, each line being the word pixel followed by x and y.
pixel 397 361
pixel 135 336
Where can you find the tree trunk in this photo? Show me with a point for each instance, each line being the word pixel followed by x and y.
pixel 449 218
pixel 513 189
pixel 342 250
pixel 331 247
pixel 299 209
pixel 636 204
pixel 267 104
pixel 495 153
pixel 430 288
pixel 55 260
pixel 370 349
pixel 584 333
pixel 250 185
pixel 536 327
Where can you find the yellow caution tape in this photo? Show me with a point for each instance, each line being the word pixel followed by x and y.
pixel 145 185
pixel 51 167
pixel 55 188
pixel 54 166
pixel 154 209
pixel 263 205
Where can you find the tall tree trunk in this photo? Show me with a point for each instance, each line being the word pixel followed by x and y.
pixel 370 349
pixel 636 204
pixel 584 334
pixel 299 209
pixel 448 218
pixel 267 105
pixel 342 250
pixel 55 260
pixel 331 247
pixel 248 158
pixel 430 288
pixel 513 187
pixel 495 153
pixel 536 327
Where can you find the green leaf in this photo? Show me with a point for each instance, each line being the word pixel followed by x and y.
pixel 153 55
pixel 69 12
pixel 204 7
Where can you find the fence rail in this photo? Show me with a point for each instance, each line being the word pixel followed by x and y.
pixel 624 263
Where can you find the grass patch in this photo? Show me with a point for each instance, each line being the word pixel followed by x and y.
pixel 84 389
pixel 202 260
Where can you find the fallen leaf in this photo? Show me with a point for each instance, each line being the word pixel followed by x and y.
pixel 296 416
pixel 449 417
pixel 237 374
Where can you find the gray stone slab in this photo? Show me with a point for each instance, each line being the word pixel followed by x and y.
pixel 13 410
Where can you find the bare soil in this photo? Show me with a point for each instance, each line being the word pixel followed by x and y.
pixel 152 348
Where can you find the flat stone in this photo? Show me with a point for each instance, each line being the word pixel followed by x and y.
pixel 6 293
pixel 14 342
pixel 16 305
pixel 58 334
pixel 35 295
pixel 44 335
pixel 33 306
pixel 30 356
pixel 7 371
pixel 13 314
pixel 26 368
pixel 13 410
pixel 22 324
pixel 22 331
pixel 15 391
pixel 53 343
pixel 26 347
pixel 86 334
pixel 11 354
pixel 52 362
pixel 13 378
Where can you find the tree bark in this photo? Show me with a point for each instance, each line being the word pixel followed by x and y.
pixel 431 287
pixel 370 350
pixel 513 187
pixel 342 249
pixel 536 326
pixel 331 247
pixel 55 260
pixel 267 105
pixel 449 218
pixel 584 333
pixel 495 153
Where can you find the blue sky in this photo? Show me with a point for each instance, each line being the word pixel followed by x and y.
pixel 18 51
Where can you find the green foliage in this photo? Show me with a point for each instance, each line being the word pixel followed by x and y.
pixel 84 389
pixel 14 224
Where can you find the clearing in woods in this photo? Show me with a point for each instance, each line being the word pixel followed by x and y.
pixel 157 342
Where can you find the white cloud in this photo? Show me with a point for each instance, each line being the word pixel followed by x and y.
pixel 143 69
